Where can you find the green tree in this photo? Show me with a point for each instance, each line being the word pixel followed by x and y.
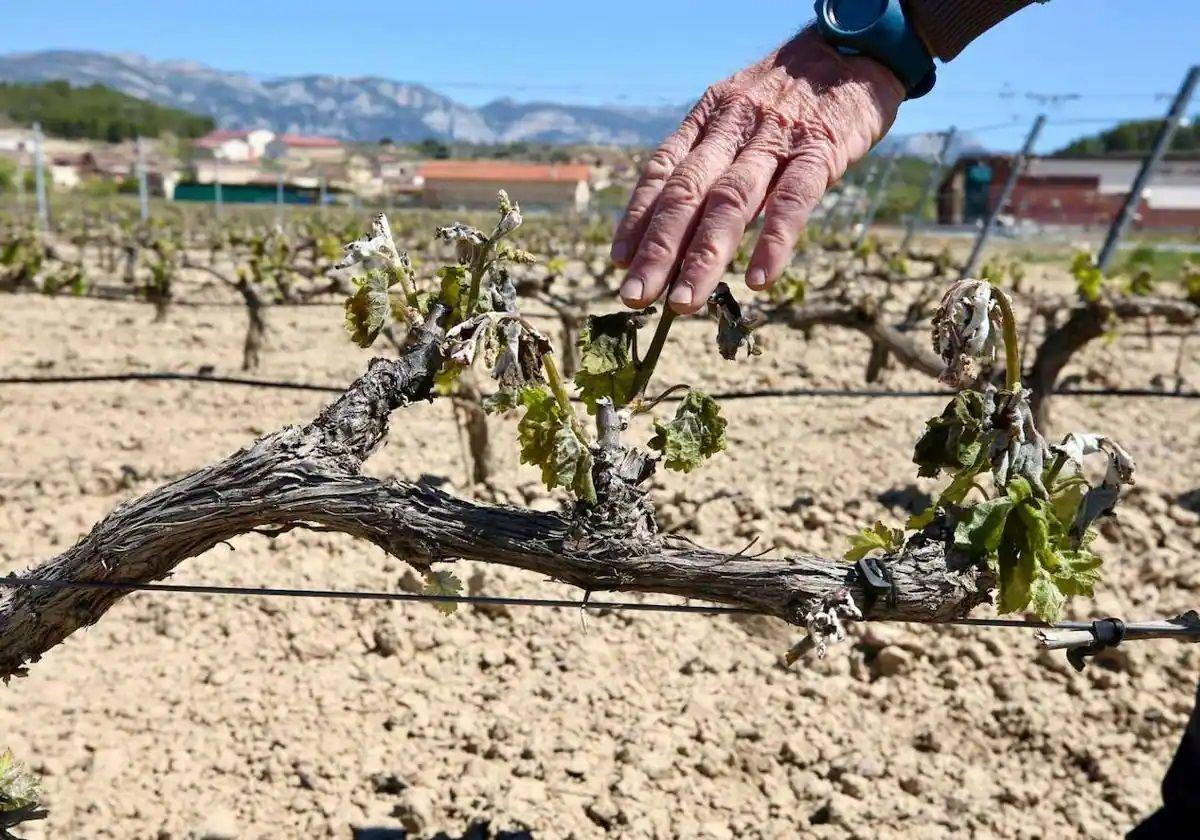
pixel 95 112
pixel 1132 136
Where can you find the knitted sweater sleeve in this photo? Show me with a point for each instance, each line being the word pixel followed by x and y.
pixel 947 26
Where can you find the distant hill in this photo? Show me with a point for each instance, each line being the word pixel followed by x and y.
pixel 363 109
pixel 94 112
pixel 927 146
pixel 1135 136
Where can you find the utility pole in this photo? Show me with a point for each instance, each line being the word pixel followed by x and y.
pixel 1162 142
pixel 935 176
pixel 880 194
pixel 1019 161
pixel 143 192
pixel 279 197
pixel 39 179
pixel 21 180
pixel 217 185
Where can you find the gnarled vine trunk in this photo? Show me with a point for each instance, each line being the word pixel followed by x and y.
pixel 311 476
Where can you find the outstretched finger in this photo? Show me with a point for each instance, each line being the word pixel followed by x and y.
pixel 658 169
pixel 732 204
pixel 677 210
pixel 789 204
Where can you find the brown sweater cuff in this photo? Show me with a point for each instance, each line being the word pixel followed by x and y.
pixel 947 26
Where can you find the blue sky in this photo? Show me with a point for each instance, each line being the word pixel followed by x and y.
pixel 1119 55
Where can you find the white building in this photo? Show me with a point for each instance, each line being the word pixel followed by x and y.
pixel 236 146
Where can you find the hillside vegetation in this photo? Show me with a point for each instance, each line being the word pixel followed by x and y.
pixel 1132 136
pixel 94 112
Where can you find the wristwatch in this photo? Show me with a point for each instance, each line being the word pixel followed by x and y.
pixel 880 30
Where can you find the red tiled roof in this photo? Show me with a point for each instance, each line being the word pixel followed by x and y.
pixel 309 141
pixel 504 171
pixel 221 135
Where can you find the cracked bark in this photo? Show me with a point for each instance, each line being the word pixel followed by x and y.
pixel 310 476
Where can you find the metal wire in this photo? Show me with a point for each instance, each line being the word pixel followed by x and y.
pixel 171 376
pixel 365 595
pixel 511 601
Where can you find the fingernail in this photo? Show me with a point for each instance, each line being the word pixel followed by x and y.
pixel 620 252
pixel 681 294
pixel 633 288
pixel 756 279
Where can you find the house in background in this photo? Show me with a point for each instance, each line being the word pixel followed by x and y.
pixel 303 151
pixel 1073 191
pixel 474 183
pixel 234 145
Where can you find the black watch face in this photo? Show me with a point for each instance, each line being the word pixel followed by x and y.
pixel 855 15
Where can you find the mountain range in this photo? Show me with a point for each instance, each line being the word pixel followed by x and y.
pixel 364 109
pixel 370 108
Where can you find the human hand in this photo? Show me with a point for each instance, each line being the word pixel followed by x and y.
pixel 774 136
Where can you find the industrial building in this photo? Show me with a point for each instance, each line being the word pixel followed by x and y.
pixel 1081 192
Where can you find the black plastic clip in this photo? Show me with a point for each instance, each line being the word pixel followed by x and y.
pixel 1107 632
pixel 876 579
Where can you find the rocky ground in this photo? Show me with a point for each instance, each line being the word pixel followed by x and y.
pixel 201 717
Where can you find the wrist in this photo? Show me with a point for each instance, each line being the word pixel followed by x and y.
pixel 880 30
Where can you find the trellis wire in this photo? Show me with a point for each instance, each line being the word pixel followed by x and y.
pixel 765 393
pixel 1133 630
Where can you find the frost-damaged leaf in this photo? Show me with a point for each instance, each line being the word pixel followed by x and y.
pixel 469 243
pixel 359 251
pixel 734 330
pixel 696 432
pixel 369 309
pixel 953 439
pixel 442 583
pixel 1018 448
pixel 965 328
pixel 510 215
pixel 464 341
pixel 1100 500
pixel 549 442
pixel 519 355
pixel 606 364
pixel 878 537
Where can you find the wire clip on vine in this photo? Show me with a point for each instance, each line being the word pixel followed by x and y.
pixel 1082 641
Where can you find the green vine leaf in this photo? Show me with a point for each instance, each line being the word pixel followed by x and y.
pixel 1089 280
pixel 879 537
pixel 791 287
pixel 20 793
pixel 981 529
pixel 696 432
pixel 456 283
pixel 549 442
pixel 442 583
pixel 369 309
pixel 954 439
pixel 606 365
